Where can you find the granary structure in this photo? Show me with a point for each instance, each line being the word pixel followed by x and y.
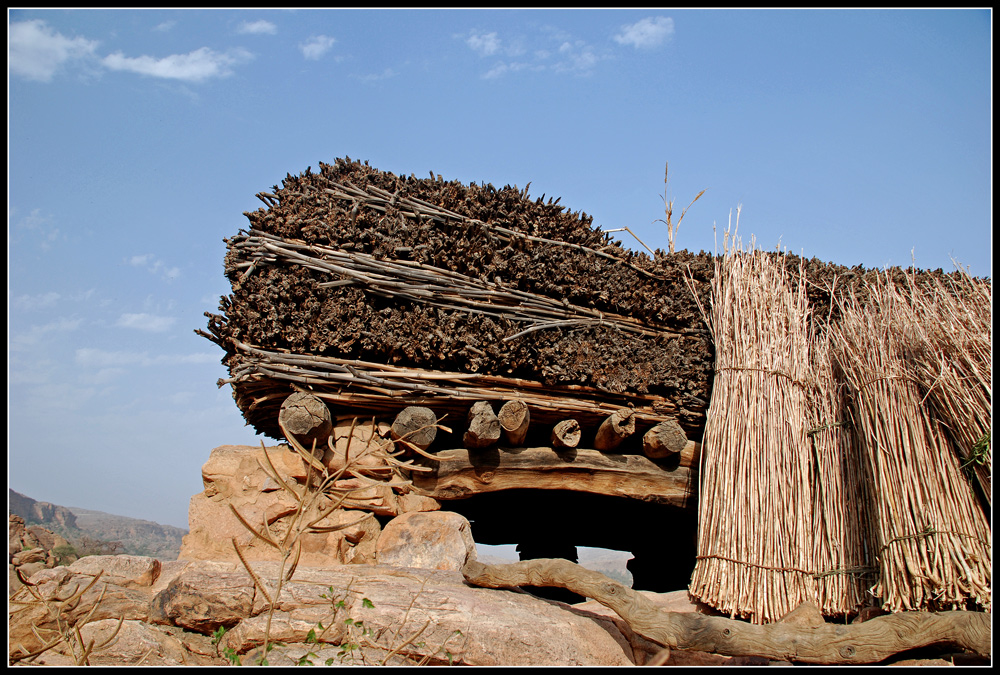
pixel 540 379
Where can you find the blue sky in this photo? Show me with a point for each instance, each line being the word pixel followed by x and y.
pixel 138 138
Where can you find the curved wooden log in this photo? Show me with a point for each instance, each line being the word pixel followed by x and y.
pixel 826 643
pixel 416 425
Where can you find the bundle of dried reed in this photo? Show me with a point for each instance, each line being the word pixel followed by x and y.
pixel 843 545
pixel 755 534
pixel 949 352
pixel 934 544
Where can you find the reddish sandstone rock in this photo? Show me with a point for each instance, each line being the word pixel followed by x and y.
pixel 439 540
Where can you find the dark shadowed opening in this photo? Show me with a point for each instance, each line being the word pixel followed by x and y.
pixel 554 523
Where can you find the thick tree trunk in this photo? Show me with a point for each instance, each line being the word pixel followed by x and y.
pixel 793 640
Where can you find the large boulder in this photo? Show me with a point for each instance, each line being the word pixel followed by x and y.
pixel 171 621
pixel 235 478
pixel 441 540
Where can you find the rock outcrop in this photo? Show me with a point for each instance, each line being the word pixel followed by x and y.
pixel 440 540
pixel 171 610
pixel 40 512
pixel 29 550
pixel 235 478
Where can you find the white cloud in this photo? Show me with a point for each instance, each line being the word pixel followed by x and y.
pixel 36 301
pixel 165 26
pixel 34 334
pixel 197 66
pixel 257 28
pixel 106 375
pixel 548 49
pixel 316 46
pixel 485 44
pixel 375 77
pixel 41 225
pixel 150 323
pixel 108 360
pixel 36 51
pixel 646 33
pixel 154 265
pixel 59 396
pixel 496 71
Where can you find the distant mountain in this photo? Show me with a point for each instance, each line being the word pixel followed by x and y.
pixel 41 513
pixel 137 537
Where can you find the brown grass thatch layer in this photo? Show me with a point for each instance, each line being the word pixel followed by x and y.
pixel 363 266
pixel 489 270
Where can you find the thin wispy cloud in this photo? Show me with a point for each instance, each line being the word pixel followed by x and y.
pixel 22 339
pixel 89 357
pixel 548 48
pixel 150 323
pixel 36 51
pixel 40 301
pixel 165 26
pixel 486 44
pixel 257 28
pixel 154 266
pixel 646 33
pixel 375 77
pixel 316 46
pixel 197 66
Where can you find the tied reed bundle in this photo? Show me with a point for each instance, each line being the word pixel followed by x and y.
pixel 934 544
pixel 843 547
pixel 755 533
pixel 949 352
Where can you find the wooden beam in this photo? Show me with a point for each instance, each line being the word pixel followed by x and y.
pixel 459 474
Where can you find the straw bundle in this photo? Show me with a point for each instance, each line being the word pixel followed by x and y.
pixel 755 534
pixel 934 547
pixel 949 352
pixel 843 545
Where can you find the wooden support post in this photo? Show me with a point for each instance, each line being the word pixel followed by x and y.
pixel 415 425
pixel 615 429
pixel 514 420
pixel 663 440
pixel 566 434
pixel 484 427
